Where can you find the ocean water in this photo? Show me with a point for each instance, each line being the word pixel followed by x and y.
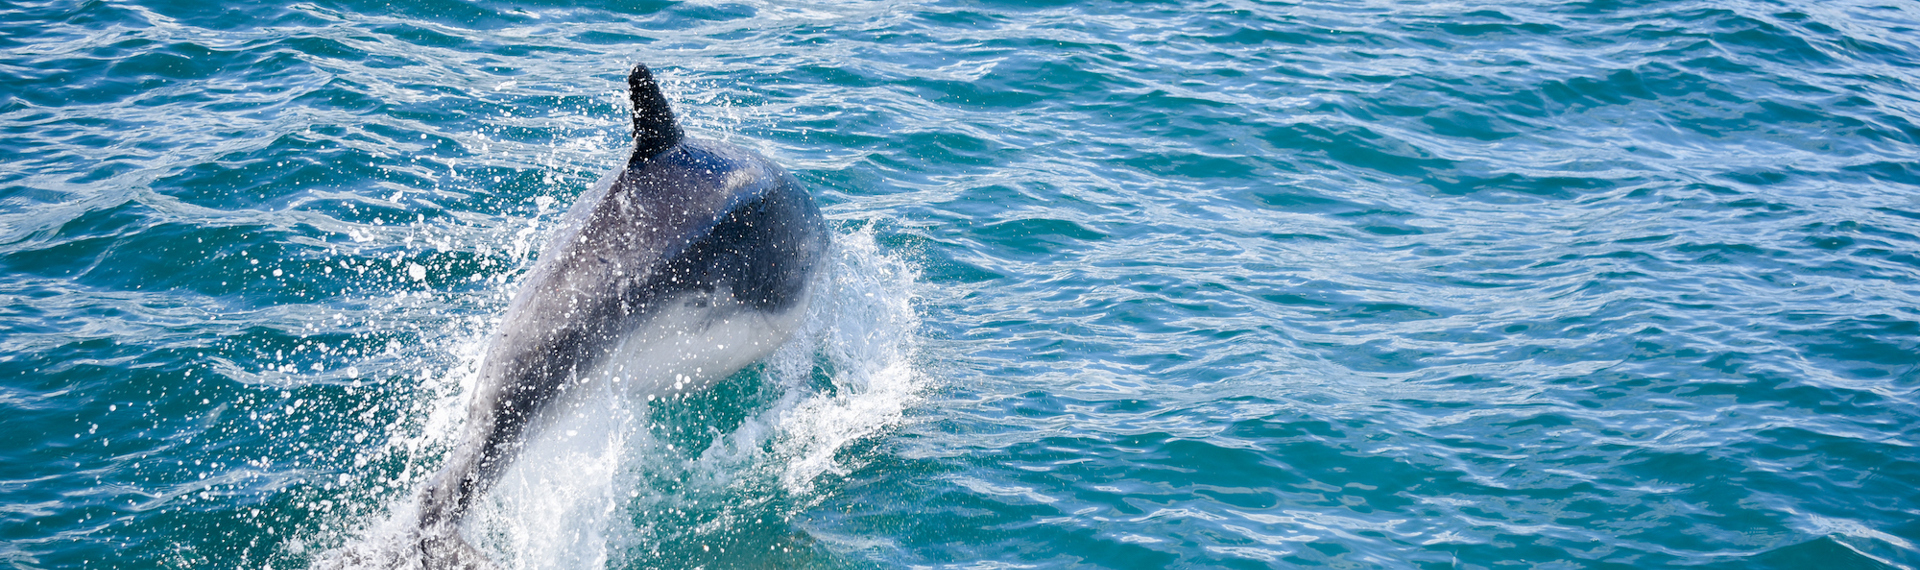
pixel 1238 284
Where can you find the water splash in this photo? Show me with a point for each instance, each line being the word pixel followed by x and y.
pixel 622 482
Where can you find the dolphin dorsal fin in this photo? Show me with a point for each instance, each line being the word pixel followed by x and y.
pixel 654 129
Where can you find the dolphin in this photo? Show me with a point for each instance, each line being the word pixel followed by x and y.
pixel 691 261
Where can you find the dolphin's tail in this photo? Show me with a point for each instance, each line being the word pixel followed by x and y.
pixel 418 549
pixel 435 540
pixel 445 549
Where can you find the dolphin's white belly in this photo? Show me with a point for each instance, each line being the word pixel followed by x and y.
pixel 693 343
pixel 687 345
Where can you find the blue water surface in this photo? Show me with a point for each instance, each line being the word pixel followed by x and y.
pixel 1234 284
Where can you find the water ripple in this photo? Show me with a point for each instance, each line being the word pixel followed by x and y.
pixel 1237 284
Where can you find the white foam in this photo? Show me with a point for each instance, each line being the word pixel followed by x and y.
pixel 555 506
pixel 868 328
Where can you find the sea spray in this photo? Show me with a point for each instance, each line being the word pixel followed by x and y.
pixel 622 481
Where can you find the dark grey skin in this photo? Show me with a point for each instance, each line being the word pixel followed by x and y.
pixel 685 222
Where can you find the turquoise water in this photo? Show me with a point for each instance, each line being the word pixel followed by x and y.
pixel 1117 284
